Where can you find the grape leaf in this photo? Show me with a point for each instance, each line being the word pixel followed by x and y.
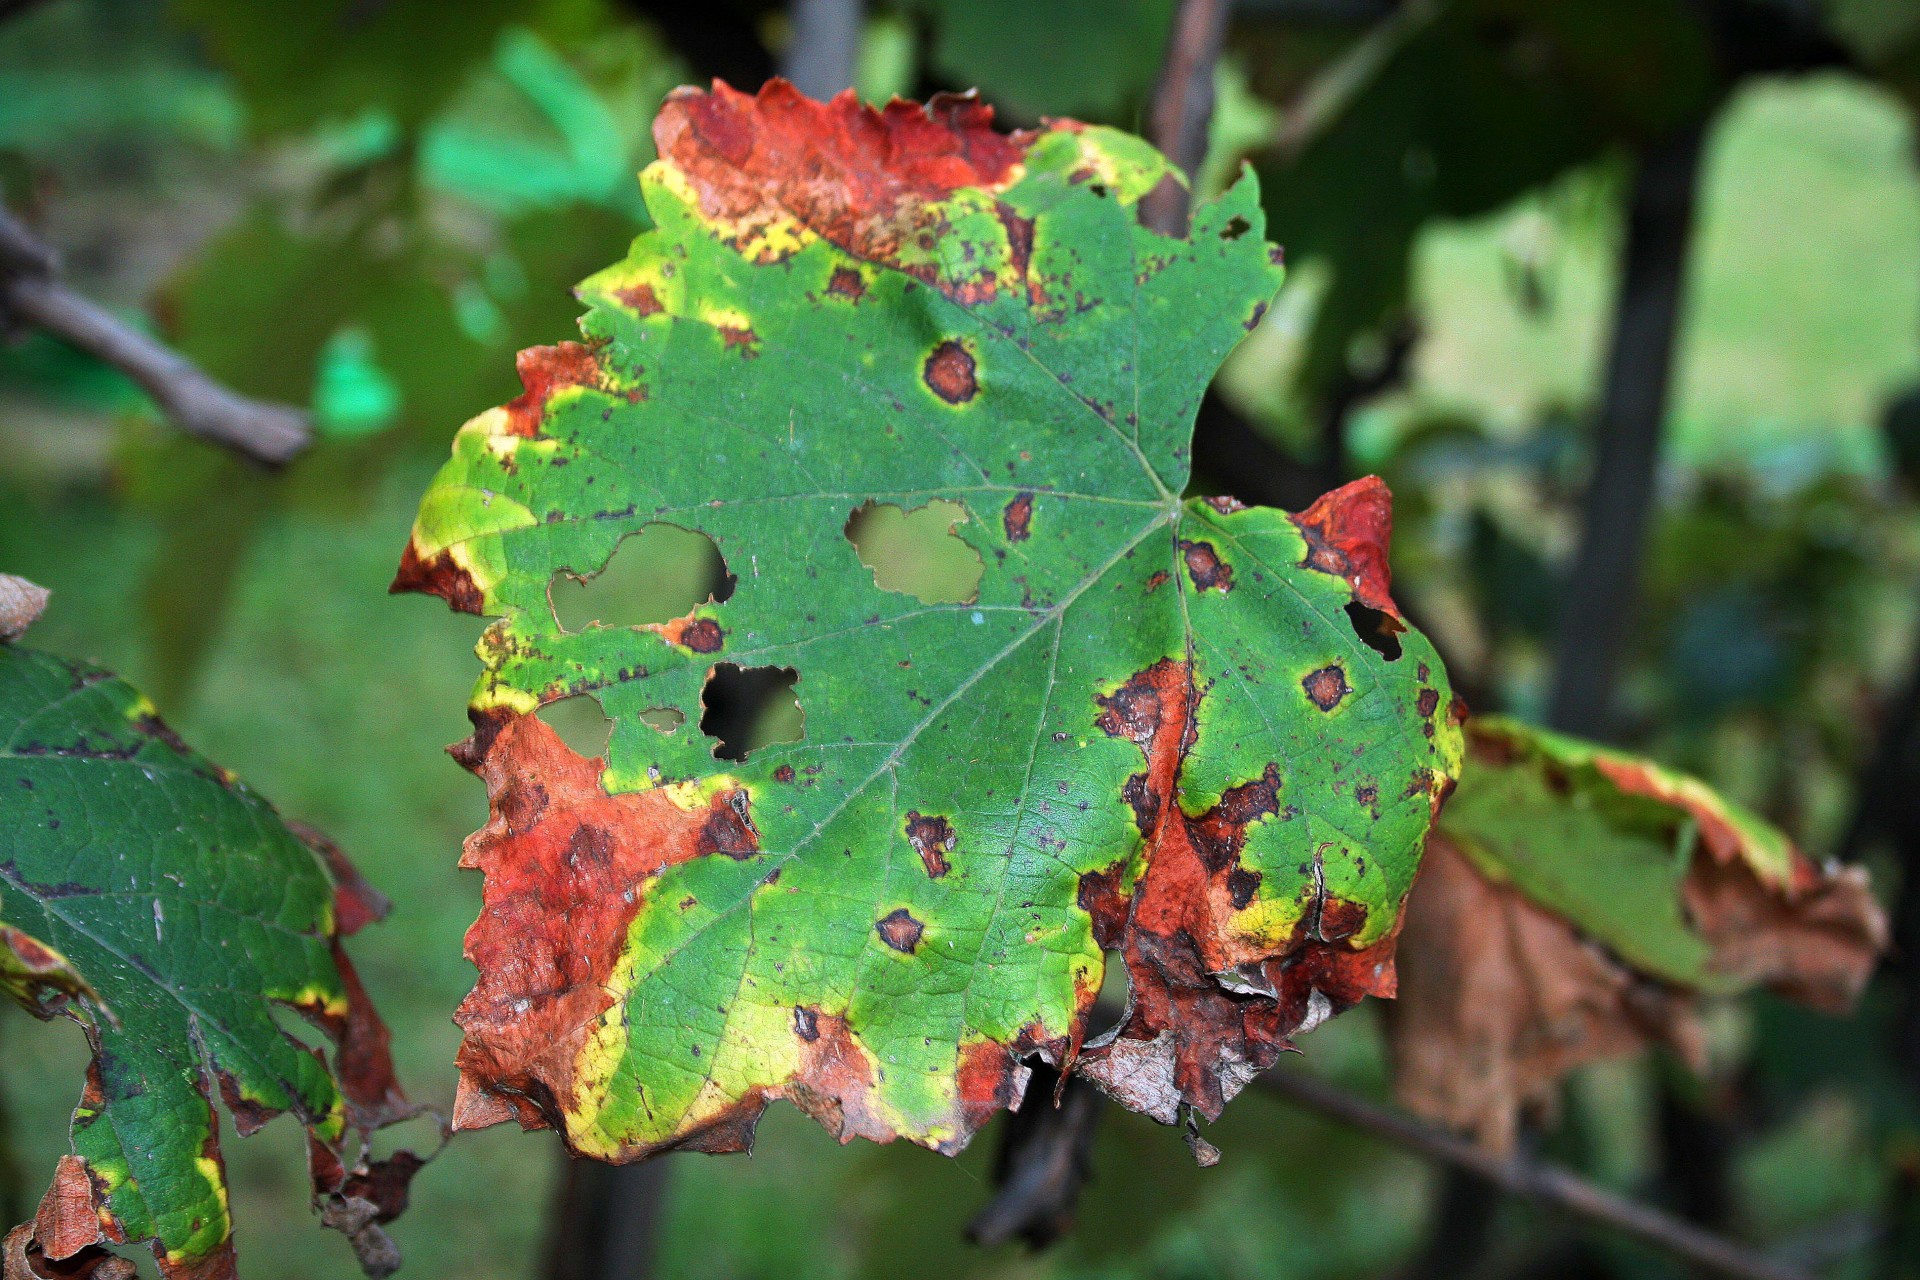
pixel 1192 732
pixel 154 898
pixel 1574 903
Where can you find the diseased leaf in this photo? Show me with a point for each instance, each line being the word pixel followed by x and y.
pixel 1573 904
pixel 1191 732
pixel 164 906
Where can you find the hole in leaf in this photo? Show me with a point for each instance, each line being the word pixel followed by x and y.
pixel 665 719
pixel 918 552
pixel 750 707
pixel 1376 629
pixel 1236 227
pixel 580 722
pixel 654 575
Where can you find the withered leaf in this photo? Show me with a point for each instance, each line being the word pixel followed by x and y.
pixel 1574 904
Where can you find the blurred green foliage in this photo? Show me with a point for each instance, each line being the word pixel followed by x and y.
pixel 369 207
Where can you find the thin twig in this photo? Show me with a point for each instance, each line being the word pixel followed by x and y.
pixel 1530 1179
pixel 824 47
pixel 31 292
pixel 1182 108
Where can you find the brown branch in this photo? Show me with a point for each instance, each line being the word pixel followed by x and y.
pixel 31 293
pixel 1530 1180
pixel 1182 107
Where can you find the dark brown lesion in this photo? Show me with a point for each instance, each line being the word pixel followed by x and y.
pixel 641 299
pixel 1017 519
pixel 846 283
pixel 950 373
pixel 899 930
pixel 1204 565
pixel 1327 686
pixel 437 575
pixel 932 837
pixel 702 635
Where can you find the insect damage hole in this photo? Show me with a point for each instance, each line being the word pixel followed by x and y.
pixel 919 552
pixel 657 574
pixel 747 708
pixel 580 722
pixel 1377 630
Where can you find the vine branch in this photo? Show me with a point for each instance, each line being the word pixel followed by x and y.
pixel 31 293
pixel 1182 108
pixel 1529 1179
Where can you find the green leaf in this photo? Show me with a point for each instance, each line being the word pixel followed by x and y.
pixel 1187 731
pixel 1084 57
pixel 173 909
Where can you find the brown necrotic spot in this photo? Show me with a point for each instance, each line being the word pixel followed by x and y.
pixel 745 341
pixel 1428 702
pixel 1225 504
pixel 1205 567
pixel 729 829
pixel 806 1023
pixel 783 774
pixel 846 283
pixel 932 838
pixel 1326 686
pixel 950 372
pixel 1017 518
pixel 437 575
pixel 900 931
pixel 702 635
pixel 641 299
pixel 544 372
pixel 1241 886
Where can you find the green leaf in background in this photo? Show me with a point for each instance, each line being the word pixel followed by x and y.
pixel 1092 58
pixel 352 394
pixel 1185 730
pixel 1576 900
pixel 166 907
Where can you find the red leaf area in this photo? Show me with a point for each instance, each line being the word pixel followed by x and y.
pixel 1347 533
pixel 1190 1037
pixel 850 173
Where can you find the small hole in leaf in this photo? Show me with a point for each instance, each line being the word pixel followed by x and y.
pixel 750 707
pixel 580 722
pixel 1236 227
pixel 665 719
pixel 1376 629
pixel 918 552
pixel 659 573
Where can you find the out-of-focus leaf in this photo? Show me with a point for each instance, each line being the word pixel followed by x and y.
pixel 1092 58
pixel 1190 731
pixel 304 64
pixel 535 130
pixel 1473 105
pixel 1575 901
pixel 56 59
pixel 167 907
pixel 352 394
